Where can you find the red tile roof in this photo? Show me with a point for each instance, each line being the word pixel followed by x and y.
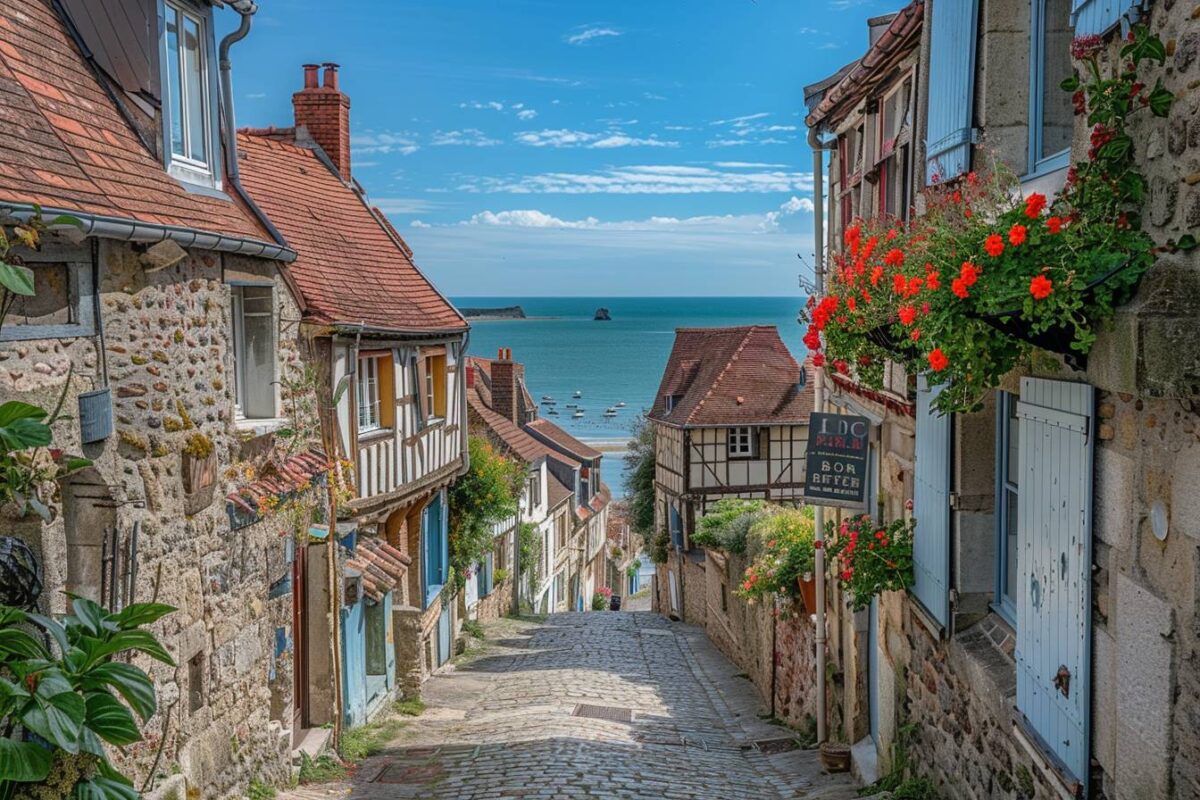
pixel 732 376
pixel 557 491
pixel 352 267
pixel 66 145
pixel 553 435
pixel 382 566
pixel 527 448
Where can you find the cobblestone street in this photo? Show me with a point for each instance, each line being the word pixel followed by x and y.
pixel 598 705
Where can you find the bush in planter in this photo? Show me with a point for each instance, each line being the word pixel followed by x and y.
pixel 726 524
pixel 600 598
pixel 780 546
pixel 869 558
pixel 968 290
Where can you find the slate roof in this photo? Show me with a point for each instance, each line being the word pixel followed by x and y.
pixel 553 435
pixel 732 376
pixel 66 145
pixel 352 267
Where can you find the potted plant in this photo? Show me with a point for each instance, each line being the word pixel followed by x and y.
pixel 780 545
pixel 869 558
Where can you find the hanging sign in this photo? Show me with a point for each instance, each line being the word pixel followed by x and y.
pixel 835 464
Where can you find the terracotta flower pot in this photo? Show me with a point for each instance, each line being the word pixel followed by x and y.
pixel 808 592
pixel 835 757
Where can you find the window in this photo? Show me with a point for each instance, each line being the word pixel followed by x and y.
pixel 368 394
pixel 431 387
pixel 1008 470
pixel 741 442
pixel 1050 113
pixel 584 484
pixel 534 491
pixel 670 402
pixel 62 305
pixel 894 145
pixel 560 589
pixel 253 309
pixel 186 77
pixel 560 525
pixel 435 553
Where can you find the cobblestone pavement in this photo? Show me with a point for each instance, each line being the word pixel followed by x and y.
pixel 507 722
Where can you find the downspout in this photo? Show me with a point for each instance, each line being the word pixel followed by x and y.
pixel 247 9
pixel 818 149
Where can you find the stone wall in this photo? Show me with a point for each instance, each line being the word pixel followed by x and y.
pixel 497 604
pixel 225 709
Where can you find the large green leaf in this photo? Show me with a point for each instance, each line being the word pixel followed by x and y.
pixel 21 426
pixel 100 788
pixel 57 719
pixel 138 614
pixel 16 279
pixel 52 627
pixel 130 681
pixel 14 642
pixel 24 761
pixel 139 640
pixel 110 720
pixel 89 614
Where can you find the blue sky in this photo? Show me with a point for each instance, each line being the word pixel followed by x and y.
pixel 547 147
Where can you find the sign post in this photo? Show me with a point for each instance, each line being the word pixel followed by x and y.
pixel 835 464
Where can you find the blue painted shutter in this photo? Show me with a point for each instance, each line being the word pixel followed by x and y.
pixel 1099 16
pixel 676 528
pixel 931 505
pixel 1054 556
pixel 434 548
pixel 951 89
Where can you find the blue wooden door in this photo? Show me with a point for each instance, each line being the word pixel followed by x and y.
pixel 444 636
pixel 434 548
pixel 951 89
pixel 931 505
pixel 1054 540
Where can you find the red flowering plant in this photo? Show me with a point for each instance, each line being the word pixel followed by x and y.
pixel 781 551
pixel 972 286
pixel 869 558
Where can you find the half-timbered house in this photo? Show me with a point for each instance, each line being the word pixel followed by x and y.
pixel 730 420
pixel 388 349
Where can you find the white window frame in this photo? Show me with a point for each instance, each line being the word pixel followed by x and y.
pixel 368 395
pixel 182 165
pixel 1040 164
pixel 238 315
pixel 739 442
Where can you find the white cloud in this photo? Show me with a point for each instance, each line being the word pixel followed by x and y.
pixel 403 142
pixel 739 121
pixel 526 113
pixel 528 218
pixel 588 34
pixel 619 140
pixel 404 205
pixel 710 223
pixel 662 179
pixel 652 96
pixel 416 223
pixel 678 128
pixel 747 165
pixel 563 137
pixel 490 105
pixel 793 205
pixel 467 137
pixel 750 130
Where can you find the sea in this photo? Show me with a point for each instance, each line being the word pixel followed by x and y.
pixel 566 351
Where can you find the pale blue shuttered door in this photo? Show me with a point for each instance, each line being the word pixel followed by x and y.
pixel 951 89
pixel 1098 16
pixel 931 505
pixel 1054 540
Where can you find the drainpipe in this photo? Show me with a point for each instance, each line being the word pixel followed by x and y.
pixel 818 149
pixel 247 9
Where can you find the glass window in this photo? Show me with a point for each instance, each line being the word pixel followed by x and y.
pixel 1008 470
pixel 741 442
pixel 368 394
pixel 1051 115
pixel 254 350
pixel 186 79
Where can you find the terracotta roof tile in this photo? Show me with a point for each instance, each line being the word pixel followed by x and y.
pixel 732 376
pixel 351 267
pixel 382 566
pixel 68 146
pixel 554 436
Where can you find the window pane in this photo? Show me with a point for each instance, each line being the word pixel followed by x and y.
pixel 192 71
pixel 1057 114
pixel 1010 547
pixel 256 350
pixel 174 88
pixel 1013 426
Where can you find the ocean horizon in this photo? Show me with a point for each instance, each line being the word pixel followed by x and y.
pixel 565 351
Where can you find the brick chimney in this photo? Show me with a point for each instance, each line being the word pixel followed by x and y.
pixel 325 113
pixel 504 387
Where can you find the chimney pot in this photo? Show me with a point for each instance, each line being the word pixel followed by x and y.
pixel 331 72
pixel 310 76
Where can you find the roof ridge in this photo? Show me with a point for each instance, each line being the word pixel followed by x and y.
pixel 721 375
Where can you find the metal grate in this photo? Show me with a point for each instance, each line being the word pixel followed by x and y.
pixel 610 713
pixel 772 746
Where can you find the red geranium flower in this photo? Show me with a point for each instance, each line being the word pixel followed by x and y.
pixel 818 360
pixel 1041 287
pixel 938 360
pixel 1054 224
pixel 994 245
pixel 876 274
pixel 851 303
pixel 841 366
pixel 959 288
pixel 895 256
pixel 915 335
pixel 908 315
pixel 899 283
pixel 1034 204
pixel 1016 235
pixel 933 280
pixel 969 273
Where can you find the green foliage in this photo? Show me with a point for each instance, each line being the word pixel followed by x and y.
pixel 530 556
pixel 410 706
pixel 367 740
pixel 599 602
pixel 901 782
pixel 870 558
pixel 73 694
pixel 322 769
pixel 726 524
pixel 17 280
pixel 660 546
pixel 984 277
pixel 634 567
pixel 780 545
pixel 260 791
pixel 487 494
pixel 472 628
pixel 639 474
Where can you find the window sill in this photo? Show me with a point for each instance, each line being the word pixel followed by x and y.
pixel 259 426
pixel 1049 180
pixel 374 435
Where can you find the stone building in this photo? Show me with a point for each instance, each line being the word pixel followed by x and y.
pixel 387 355
pixel 571 519
pixel 167 322
pixel 1021 666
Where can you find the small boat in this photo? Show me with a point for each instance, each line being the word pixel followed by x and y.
pixel 611 412
pixel 578 394
pixel 621 404
pixel 547 398
pixel 578 413
pixel 552 412
pixel 572 405
pixel 550 402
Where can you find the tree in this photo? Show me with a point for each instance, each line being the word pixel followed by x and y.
pixel 639 473
pixel 487 494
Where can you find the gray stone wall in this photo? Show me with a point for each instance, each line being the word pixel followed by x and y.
pixel 225 709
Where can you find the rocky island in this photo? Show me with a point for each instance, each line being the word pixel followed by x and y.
pixel 506 312
pixel 602 315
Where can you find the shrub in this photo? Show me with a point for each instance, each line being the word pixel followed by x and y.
pixel 870 558
pixel 780 545
pixel 472 628
pixel 726 524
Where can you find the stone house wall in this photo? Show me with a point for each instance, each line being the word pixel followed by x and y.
pixel 497 604
pixel 225 709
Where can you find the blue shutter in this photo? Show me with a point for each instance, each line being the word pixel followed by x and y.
pixel 951 89
pixel 1054 556
pixel 676 528
pixel 434 548
pixel 1099 16
pixel 931 505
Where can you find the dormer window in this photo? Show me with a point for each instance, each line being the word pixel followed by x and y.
pixel 670 402
pixel 189 124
